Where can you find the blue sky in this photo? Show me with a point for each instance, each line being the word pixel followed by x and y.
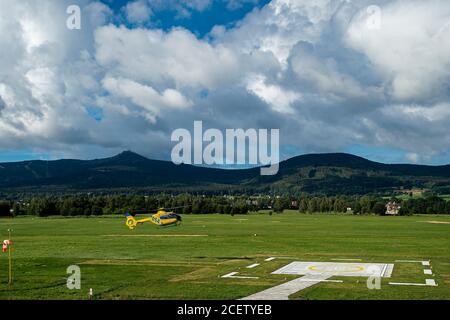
pixel 369 77
pixel 199 22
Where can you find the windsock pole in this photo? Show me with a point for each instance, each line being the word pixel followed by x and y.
pixel 10 281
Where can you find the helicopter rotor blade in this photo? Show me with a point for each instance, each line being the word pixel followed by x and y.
pixel 171 208
pixel 143 211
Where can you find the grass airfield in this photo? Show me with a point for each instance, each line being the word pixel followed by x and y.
pixel 187 262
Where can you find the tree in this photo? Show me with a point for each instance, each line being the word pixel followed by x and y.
pixel 5 208
pixel 43 207
pixel 96 210
pixel 313 205
pixel 356 207
pixel 16 209
pixel 303 205
pixel 404 211
pixel 278 206
pixel 379 208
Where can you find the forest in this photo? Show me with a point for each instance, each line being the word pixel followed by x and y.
pixel 97 205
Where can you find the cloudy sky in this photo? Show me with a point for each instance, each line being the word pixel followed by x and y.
pixel 366 77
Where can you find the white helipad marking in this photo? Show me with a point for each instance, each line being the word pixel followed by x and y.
pixel 315 280
pixel 316 272
pixel 233 275
pixel 430 282
pixel 425 263
pixel 283 291
pixel 436 222
pixel 407 284
pixel 427 271
pixel 252 265
pixel 345 269
pixel 229 275
pixel 269 259
pixel 388 271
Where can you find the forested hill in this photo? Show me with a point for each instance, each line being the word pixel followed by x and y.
pixel 336 173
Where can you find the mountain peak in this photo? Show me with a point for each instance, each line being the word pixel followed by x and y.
pixel 330 159
pixel 129 156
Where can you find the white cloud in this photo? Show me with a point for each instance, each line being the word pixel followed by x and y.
pixel 98 13
pixel 413 157
pixel 138 11
pixel 323 75
pixel 280 25
pixel 279 99
pixel 174 58
pixel 411 48
pixel 43 83
pixel 145 96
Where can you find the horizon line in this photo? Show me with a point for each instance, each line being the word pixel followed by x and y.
pixel 232 166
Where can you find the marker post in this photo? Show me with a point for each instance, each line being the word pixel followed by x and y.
pixel 10 279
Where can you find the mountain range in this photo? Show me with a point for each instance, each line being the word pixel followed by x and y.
pixel 330 173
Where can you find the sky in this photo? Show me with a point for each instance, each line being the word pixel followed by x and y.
pixel 370 78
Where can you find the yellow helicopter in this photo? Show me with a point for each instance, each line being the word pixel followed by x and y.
pixel 161 218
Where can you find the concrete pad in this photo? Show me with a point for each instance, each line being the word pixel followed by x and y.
pixel 283 291
pixel 337 269
pixel 425 263
pixel 427 271
pixel 316 272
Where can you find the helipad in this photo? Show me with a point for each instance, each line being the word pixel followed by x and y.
pixel 316 272
pixel 345 269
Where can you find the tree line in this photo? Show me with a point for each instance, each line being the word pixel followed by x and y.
pixel 88 205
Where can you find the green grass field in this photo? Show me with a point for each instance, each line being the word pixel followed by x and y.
pixel 186 262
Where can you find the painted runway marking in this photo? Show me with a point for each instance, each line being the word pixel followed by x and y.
pixel 269 259
pixel 252 265
pixel 234 275
pixel 427 271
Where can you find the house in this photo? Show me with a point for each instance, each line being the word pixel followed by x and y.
pixel 392 208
